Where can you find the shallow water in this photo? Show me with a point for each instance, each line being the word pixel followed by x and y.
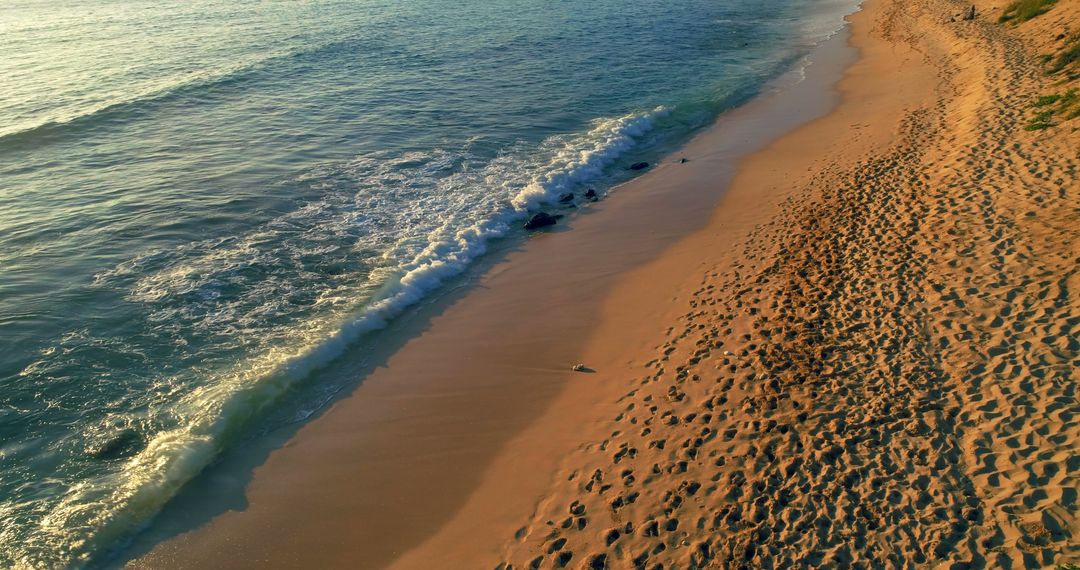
pixel 200 205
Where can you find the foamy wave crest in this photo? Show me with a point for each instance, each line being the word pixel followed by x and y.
pixel 585 159
pixel 827 19
pixel 426 217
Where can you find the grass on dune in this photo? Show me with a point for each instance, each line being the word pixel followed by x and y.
pixel 1024 10
pixel 1069 55
pixel 1065 106
pixel 1047 100
pixel 1055 108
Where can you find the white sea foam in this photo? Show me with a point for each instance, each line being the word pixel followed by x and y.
pixel 827 19
pixel 585 159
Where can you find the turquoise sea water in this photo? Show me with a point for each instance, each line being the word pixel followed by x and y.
pixel 202 203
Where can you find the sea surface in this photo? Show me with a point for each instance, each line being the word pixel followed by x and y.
pixel 202 203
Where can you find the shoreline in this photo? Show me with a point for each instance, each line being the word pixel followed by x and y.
pixel 740 132
pixel 814 346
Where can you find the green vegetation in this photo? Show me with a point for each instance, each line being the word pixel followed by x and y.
pixel 1047 100
pixel 1065 106
pixel 1068 566
pixel 1040 121
pixel 1070 99
pixel 1068 56
pixel 1024 10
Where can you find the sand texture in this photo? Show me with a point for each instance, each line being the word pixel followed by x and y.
pixel 883 373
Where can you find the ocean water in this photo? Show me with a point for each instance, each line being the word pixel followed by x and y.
pixel 204 202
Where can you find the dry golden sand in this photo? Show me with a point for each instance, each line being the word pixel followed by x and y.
pixel 867 358
pixel 885 375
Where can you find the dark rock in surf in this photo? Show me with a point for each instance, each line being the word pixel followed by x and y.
pixel 683 160
pixel 566 198
pixel 124 444
pixel 639 166
pixel 591 195
pixel 541 219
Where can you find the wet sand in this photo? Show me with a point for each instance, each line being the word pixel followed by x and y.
pixel 850 344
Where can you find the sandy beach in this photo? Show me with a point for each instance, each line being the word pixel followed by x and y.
pixel 842 333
